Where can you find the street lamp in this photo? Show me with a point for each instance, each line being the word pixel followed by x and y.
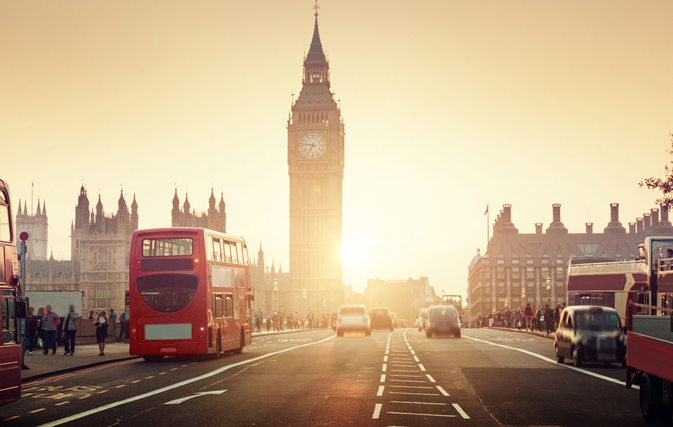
pixel 548 290
pixel 303 296
pixel 275 295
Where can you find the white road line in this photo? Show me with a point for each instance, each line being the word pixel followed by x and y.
pixel 380 392
pixel 387 351
pixel 547 359
pixel 399 375
pixel 441 390
pixel 420 365
pixel 460 411
pixel 407 381
pixel 408 386
pixel 384 367
pixel 176 385
pixel 414 394
pixel 412 352
pixel 432 380
pixel 416 359
pixel 383 378
pixel 422 415
pixel 385 358
pixel 401 370
pixel 377 411
pixel 419 403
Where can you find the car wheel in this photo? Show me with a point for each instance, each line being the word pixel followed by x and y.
pixel 419 329
pixel 368 332
pixel 428 333
pixel 340 333
pixel 559 359
pixel 577 358
pixel 456 334
pixel 650 406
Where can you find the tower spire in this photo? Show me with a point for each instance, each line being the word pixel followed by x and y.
pixel 315 52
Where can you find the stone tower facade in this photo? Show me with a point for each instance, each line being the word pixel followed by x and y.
pixel 215 219
pixel 100 247
pixel 37 227
pixel 315 143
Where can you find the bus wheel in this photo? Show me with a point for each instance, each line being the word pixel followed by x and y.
pixel 151 359
pixel 218 346
pixel 239 350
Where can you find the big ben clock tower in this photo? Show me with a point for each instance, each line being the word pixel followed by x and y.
pixel 315 157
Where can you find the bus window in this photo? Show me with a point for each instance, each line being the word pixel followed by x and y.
pixel 209 248
pixel 227 251
pixel 8 320
pixel 167 247
pixel 218 308
pixel 239 249
pixel 5 230
pixel 228 306
pixel 245 255
pixel 234 256
pixel 217 250
pixel 236 279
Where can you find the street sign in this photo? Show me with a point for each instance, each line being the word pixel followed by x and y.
pixel 23 236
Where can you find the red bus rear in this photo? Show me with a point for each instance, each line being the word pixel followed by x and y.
pixel 11 307
pixel 189 293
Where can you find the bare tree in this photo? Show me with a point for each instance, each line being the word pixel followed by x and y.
pixel 665 185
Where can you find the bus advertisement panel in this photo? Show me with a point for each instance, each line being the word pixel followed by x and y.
pixel 189 293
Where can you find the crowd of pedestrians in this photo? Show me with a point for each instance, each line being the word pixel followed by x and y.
pixel 542 319
pixel 279 321
pixel 45 328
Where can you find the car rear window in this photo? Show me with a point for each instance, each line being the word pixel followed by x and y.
pixel 595 321
pixel 443 312
pixel 352 310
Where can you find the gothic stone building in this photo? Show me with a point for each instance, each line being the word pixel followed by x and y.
pixel 37 227
pixel 516 261
pixel 315 155
pixel 262 281
pixel 215 219
pixel 100 247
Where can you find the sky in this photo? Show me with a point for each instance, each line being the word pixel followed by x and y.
pixel 448 106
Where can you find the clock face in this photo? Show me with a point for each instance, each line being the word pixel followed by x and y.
pixel 312 145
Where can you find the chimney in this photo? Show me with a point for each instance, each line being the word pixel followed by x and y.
pixel 640 225
pixel 632 227
pixel 507 213
pixel 648 221
pixel 614 212
pixel 556 208
pixel 654 215
pixel 590 227
pixel 538 228
pixel 664 215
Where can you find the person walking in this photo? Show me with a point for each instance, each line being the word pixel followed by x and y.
pixel 310 319
pixel 32 326
pixel 40 327
pixel 528 312
pixel 114 323
pixel 51 321
pixel 123 321
pixel 268 322
pixel 549 319
pixel 101 325
pixel 91 315
pixel 70 330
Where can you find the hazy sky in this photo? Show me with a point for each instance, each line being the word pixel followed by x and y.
pixel 448 106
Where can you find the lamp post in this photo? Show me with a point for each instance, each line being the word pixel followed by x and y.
pixel 303 296
pixel 275 295
pixel 548 290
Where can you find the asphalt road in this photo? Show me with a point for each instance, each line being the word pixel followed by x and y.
pixel 313 378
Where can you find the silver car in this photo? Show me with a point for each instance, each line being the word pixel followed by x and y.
pixel 353 318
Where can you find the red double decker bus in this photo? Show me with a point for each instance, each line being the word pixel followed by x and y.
pixel 12 307
pixel 189 293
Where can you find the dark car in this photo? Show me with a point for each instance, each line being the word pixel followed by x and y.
pixel 442 319
pixel 590 334
pixel 381 318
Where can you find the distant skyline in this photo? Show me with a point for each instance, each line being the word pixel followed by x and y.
pixel 448 106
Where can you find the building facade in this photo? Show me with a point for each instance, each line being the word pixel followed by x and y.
pixel 514 269
pixel 100 246
pixel 215 219
pixel 315 154
pixel 37 227
pixel 405 298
